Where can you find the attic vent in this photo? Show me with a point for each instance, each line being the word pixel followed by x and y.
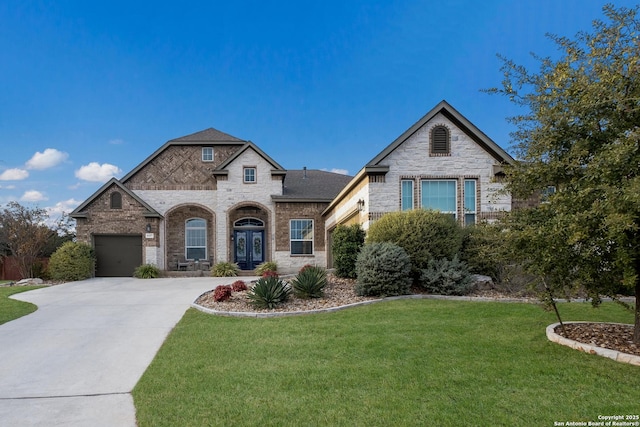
pixel 440 140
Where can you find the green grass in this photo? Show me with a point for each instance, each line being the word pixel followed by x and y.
pixel 12 309
pixel 402 363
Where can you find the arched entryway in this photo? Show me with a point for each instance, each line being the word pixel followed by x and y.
pixel 249 245
pixel 190 235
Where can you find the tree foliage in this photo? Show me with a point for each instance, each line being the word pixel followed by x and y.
pixel 25 235
pixel 580 134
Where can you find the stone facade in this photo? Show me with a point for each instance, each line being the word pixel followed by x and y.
pixel 471 155
pixel 236 187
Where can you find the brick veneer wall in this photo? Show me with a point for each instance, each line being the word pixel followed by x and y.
pixel 175 238
pixel 102 219
pixel 180 167
pixel 288 211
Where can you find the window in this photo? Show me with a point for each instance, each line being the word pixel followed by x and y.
pixel 440 140
pixel 546 193
pixel 301 236
pixel 248 222
pixel 207 154
pixel 407 194
pixel 439 195
pixel 250 175
pixel 116 200
pixel 195 236
pixel 469 201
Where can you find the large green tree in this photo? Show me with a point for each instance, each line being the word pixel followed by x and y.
pixel 580 133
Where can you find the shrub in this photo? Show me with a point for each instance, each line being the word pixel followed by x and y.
pixel 238 286
pixel 268 293
pixel 146 271
pixel 310 282
pixel 347 242
pixel 225 269
pixel 222 293
pixel 444 277
pixel 424 235
pixel 266 266
pixel 72 261
pixel 484 250
pixel 383 270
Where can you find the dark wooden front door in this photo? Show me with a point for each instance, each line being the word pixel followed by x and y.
pixel 248 248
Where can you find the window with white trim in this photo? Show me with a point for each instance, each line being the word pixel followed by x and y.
pixel 470 201
pixel 195 239
pixel 439 194
pixel 250 175
pixel 207 154
pixel 406 194
pixel 301 236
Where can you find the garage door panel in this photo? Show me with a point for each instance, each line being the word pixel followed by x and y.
pixel 117 255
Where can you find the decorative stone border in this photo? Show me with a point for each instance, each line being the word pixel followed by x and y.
pixel 589 348
pixel 343 307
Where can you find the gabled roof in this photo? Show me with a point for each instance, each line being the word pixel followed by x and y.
pixel 79 211
pixel 311 185
pixel 208 136
pixel 460 121
pixel 222 167
pixel 376 165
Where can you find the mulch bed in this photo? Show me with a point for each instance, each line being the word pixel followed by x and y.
pixel 606 335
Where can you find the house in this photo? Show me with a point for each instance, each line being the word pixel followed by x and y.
pixel 442 162
pixel 210 197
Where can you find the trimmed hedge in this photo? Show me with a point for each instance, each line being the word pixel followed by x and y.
pixel 347 242
pixel 423 234
pixel 72 261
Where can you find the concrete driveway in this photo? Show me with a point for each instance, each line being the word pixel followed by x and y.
pixel 75 361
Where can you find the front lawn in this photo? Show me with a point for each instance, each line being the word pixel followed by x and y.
pixel 11 309
pixel 408 362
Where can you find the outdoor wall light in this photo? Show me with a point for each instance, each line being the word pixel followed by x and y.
pixel 148 228
pixel 360 205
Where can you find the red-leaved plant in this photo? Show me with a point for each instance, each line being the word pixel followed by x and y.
pixel 238 286
pixel 269 273
pixel 222 293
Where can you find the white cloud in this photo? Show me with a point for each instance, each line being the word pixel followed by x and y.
pixel 48 159
pixel 116 141
pixel 8 187
pixel 335 170
pixel 96 172
pixel 64 206
pixel 14 175
pixel 33 196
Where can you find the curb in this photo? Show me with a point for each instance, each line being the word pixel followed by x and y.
pixel 589 348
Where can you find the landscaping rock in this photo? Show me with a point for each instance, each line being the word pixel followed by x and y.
pixel 29 282
pixel 481 283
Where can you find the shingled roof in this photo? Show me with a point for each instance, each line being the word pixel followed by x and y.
pixel 311 185
pixel 208 135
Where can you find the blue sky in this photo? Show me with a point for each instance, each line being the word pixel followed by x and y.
pixel 89 89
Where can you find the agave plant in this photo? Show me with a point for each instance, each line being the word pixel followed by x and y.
pixel 268 292
pixel 310 282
